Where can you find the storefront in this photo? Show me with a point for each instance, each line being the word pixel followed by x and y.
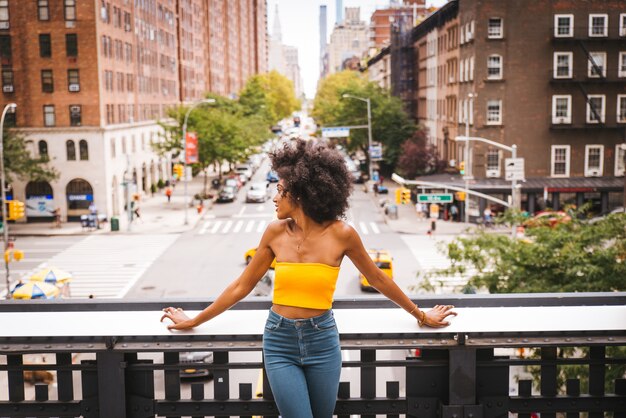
pixel 79 194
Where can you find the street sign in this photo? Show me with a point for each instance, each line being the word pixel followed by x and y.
pixel 514 169
pixel 337 132
pixel 435 198
pixel 191 151
pixel 376 152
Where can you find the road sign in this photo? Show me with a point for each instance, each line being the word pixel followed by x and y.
pixel 435 198
pixel 376 152
pixel 514 169
pixel 337 132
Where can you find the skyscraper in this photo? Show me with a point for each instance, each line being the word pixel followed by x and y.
pixel 338 12
pixel 323 42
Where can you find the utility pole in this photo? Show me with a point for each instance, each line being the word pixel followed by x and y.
pixel 127 180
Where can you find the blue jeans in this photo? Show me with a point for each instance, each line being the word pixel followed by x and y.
pixel 303 362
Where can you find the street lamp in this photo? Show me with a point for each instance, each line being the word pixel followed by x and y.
pixel 5 224
pixel 369 129
pixel 192 107
pixel 512 149
pixel 466 151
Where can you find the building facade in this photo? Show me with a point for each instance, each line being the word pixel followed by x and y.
pixel 348 40
pixel 90 80
pixel 549 78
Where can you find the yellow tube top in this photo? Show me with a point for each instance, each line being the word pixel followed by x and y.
pixel 305 285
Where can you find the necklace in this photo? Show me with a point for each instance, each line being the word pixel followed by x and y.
pixel 301 241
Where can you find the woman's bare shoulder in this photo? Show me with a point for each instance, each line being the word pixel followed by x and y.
pixel 342 229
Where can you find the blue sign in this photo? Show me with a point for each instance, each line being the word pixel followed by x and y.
pixel 337 132
pixel 83 197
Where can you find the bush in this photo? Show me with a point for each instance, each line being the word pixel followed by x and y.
pixel 160 184
pixel 153 188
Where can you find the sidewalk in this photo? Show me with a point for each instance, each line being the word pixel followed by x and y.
pixel 157 216
pixel 407 221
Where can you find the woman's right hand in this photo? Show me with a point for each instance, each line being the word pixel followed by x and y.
pixel 178 317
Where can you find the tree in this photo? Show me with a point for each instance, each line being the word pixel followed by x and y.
pixel 391 125
pixel 270 96
pixel 418 157
pixel 18 161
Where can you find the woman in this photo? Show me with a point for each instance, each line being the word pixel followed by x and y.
pixel 301 343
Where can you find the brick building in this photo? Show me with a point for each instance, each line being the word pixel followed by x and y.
pixel 90 80
pixel 548 77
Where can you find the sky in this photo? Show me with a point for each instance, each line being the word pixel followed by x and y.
pixel 299 21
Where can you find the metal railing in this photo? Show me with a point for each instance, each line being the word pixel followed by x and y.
pixel 120 362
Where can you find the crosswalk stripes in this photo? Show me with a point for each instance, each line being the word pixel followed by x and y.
pixel 108 266
pixel 246 226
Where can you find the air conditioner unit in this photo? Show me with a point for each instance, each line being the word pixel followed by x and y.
pixel 7 88
pixel 560 120
pixel 594 172
pixel 493 173
pixel 74 87
pixel 4 24
pixel 70 24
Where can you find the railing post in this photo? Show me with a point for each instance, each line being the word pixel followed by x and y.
pixel 16 378
pixel 368 377
pixel 596 375
pixel 221 381
pixel 427 384
pixel 65 382
pixel 140 388
pixel 111 384
pixel 548 376
pixel 172 377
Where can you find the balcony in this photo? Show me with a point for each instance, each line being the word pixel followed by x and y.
pixel 114 359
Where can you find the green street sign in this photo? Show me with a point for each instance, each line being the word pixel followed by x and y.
pixel 435 198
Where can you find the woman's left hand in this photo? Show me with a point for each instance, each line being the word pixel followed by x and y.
pixel 436 316
pixel 178 317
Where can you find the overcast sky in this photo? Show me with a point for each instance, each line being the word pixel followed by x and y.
pixel 299 21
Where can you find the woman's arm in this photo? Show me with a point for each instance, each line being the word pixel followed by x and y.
pixel 236 291
pixel 385 285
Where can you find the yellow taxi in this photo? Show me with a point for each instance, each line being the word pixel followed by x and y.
pixel 384 261
pixel 251 252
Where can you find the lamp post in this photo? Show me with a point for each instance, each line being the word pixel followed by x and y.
pixel 5 224
pixel 192 107
pixel 512 149
pixel 466 153
pixel 369 129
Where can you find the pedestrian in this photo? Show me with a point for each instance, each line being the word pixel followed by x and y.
pixel 93 215
pixel 168 193
pixel 137 212
pixel 454 211
pixel 487 217
pixel 419 210
pixel 56 213
pixel 301 350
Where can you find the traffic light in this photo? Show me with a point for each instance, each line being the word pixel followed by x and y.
pixel 462 167
pixel 16 210
pixel 460 196
pixel 398 196
pixel 178 171
pixel 406 196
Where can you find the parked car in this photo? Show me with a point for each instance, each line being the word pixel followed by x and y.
pixel 272 176
pixel 547 218
pixel 227 194
pixel 245 169
pixel 195 360
pixel 251 252
pixel 258 192
pixel 384 261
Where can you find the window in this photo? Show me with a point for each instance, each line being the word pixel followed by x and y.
pixel 7 81
pixel 73 80
pixel 43 149
pixel 563 64
pixel 595 108
pixel 112 147
pixel 596 64
pixel 71 45
pixel 560 161
pixel 622 24
pixel 83 149
pixel 621 70
pixel 5 49
pixel 69 9
pixel 75 115
pixel 45 45
pixel 620 152
pixel 123 145
pixel 10 120
pixel 4 14
pixel 563 26
pixel 471 69
pixel 494 67
pixel 598 25
pixel 493 163
pixel 70 150
pixel 43 10
pixel 561 109
pixel 494 112
pixel 621 108
pixel 49 118
pixel 494 28
pixel 594 160
pixel 47 82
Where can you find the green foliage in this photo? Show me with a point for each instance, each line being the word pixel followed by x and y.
pixel 270 96
pixel 574 256
pixel 391 126
pixel 19 163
